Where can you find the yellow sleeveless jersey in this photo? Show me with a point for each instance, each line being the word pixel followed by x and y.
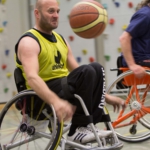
pixel 52 57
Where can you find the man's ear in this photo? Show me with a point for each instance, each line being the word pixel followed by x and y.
pixel 36 13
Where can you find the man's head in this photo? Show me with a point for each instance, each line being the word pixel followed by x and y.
pixel 46 15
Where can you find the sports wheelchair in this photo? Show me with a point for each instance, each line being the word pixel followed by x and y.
pixel 133 123
pixel 26 125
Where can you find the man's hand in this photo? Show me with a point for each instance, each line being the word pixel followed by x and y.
pixel 64 110
pixel 138 70
pixel 116 102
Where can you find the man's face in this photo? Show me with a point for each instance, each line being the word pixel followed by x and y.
pixel 49 15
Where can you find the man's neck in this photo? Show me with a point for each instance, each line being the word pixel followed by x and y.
pixel 46 32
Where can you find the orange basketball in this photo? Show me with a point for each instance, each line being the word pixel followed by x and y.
pixel 88 19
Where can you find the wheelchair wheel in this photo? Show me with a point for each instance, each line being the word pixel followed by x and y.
pixel 22 128
pixel 133 123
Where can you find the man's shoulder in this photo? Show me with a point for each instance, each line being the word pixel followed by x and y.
pixel 144 11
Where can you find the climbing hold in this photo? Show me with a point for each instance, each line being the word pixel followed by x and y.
pixel 117 4
pixel 8 75
pixel 71 38
pixel 14 93
pixel 3 1
pixel 58 2
pixel 78 59
pixel 4 23
pixel 1 29
pixel 7 52
pixel 119 49
pixel 91 59
pixel 6 90
pixel 124 27
pixel 4 66
pixel 84 51
pixel 107 57
pixel 130 4
pixel 105 6
pixel 112 21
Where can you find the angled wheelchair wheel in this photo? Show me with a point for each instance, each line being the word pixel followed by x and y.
pixel 24 124
pixel 133 123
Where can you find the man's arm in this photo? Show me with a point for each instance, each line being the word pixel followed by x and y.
pixel 126 48
pixel 28 51
pixel 125 40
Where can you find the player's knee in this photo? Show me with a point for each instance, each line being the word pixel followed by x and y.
pixel 98 68
pixel 89 71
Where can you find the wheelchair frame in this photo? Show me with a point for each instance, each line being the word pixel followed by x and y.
pixel 56 136
pixel 135 92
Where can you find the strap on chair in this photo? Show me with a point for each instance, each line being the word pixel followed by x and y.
pixel 82 120
pixel 120 85
pixel 105 118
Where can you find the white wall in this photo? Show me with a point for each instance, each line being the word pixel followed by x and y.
pixel 15 13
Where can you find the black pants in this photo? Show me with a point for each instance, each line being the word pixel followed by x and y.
pixel 88 81
pixel 145 64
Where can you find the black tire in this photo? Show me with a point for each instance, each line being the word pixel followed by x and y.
pixel 11 120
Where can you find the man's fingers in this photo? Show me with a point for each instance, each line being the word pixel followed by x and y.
pixel 64 116
pixel 123 105
pixel 68 117
pixel 59 118
pixel 114 108
pixel 118 108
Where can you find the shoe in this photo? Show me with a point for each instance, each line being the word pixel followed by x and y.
pixel 82 135
pixel 101 133
pixel 40 126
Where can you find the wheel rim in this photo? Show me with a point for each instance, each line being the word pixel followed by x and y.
pixel 17 127
pixel 138 97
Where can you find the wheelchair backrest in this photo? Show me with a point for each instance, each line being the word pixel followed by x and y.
pixel 19 80
pixel 119 64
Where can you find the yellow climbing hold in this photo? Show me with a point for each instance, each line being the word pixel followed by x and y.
pixel 119 49
pixel 8 75
pixel 1 29
pixel 84 51
pixel 124 27
pixel 3 1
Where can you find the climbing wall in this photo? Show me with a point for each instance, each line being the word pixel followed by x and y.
pixel 13 22
pixel 119 14
pixel 5 71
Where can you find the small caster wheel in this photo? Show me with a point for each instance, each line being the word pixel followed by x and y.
pixel 133 130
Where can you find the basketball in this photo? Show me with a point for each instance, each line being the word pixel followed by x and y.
pixel 88 19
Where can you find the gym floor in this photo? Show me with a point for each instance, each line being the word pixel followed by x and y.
pixel 127 146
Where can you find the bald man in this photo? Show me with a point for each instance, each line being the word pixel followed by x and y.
pixel 46 62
